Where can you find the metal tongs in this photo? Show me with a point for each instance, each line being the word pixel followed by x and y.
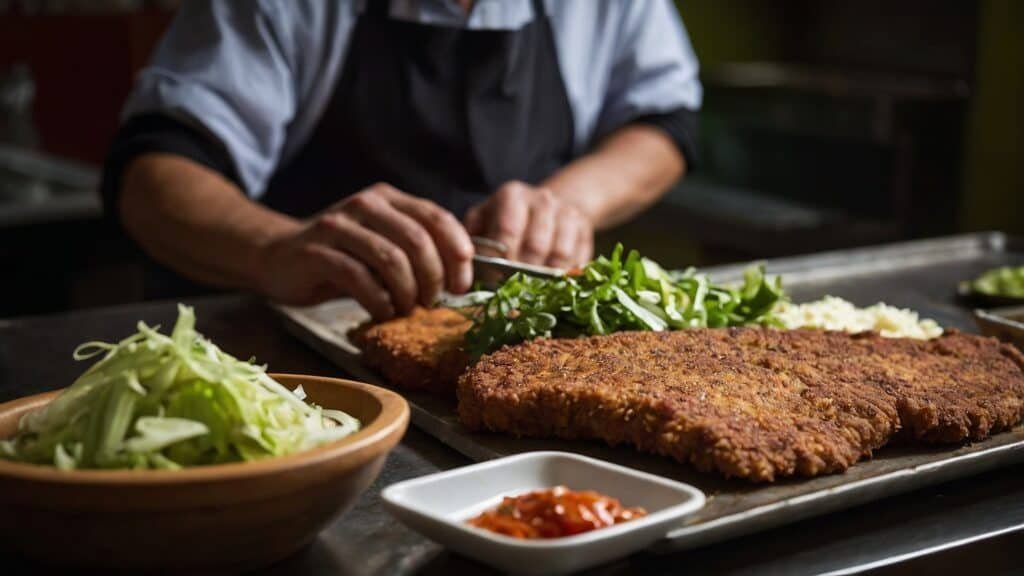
pixel 490 256
pixel 490 267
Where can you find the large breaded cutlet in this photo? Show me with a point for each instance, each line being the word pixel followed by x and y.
pixel 419 351
pixel 751 403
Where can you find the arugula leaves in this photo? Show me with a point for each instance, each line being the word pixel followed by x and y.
pixel 614 294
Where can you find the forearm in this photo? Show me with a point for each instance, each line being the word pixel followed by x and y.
pixel 196 222
pixel 627 172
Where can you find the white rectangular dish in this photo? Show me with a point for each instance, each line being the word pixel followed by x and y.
pixel 439 505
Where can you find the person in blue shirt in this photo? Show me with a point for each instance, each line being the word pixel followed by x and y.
pixel 312 149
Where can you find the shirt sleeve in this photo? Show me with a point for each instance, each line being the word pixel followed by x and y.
pixel 148 133
pixel 654 76
pixel 222 70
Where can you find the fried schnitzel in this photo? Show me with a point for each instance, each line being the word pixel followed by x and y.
pixel 420 351
pixel 750 403
pixel 746 402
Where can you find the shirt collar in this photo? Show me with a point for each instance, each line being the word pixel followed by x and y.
pixel 485 15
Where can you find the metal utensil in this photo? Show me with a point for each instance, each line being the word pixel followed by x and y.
pixel 511 266
pixel 506 266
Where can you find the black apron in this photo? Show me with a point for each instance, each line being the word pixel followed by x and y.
pixel 443 113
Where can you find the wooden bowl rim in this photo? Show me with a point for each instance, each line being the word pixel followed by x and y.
pixel 392 419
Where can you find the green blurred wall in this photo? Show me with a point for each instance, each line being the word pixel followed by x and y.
pixel 994 174
pixel 733 30
pixel 993 181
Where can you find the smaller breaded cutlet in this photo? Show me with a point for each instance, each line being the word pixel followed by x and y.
pixel 422 351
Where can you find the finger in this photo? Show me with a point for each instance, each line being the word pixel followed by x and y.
pixel 386 259
pixel 344 273
pixel 508 217
pixel 540 232
pixel 584 246
pixel 449 236
pixel 474 219
pixel 564 253
pixel 412 238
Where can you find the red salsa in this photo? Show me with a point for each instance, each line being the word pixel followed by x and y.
pixel 554 513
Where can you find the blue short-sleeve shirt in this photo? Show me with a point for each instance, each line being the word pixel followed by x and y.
pixel 256 75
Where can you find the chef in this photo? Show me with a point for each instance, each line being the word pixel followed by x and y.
pixel 311 149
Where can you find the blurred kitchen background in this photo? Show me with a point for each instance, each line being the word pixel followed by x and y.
pixel 826 124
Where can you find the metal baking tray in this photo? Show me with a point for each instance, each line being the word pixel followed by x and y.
pixel 922 275
pixel 1004 323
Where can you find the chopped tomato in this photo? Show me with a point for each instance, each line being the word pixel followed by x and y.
pixel 555 513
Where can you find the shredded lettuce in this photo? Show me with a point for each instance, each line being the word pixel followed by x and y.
pixel 612 294
pixel 154 401
pixel 1006 281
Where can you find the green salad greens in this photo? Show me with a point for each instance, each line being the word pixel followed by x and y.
pixel 613 294
pixel 1006 281
pixel 157 401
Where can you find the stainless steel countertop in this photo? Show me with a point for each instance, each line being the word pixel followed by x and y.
pixel 974 525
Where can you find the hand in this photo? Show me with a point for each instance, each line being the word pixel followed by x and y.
pixel 385 248
pixel 535 225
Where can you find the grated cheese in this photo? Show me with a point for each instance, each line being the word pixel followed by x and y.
pixel 832 313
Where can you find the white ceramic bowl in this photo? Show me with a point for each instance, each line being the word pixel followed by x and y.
pixel 439 505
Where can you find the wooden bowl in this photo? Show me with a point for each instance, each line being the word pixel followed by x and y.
pixel 222 518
